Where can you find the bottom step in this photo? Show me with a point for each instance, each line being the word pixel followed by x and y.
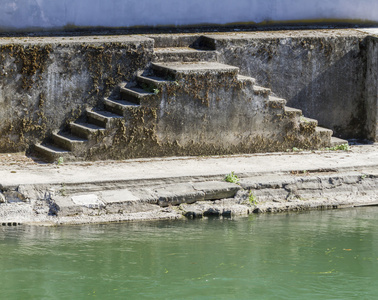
pixel 337 142
pixel 51 153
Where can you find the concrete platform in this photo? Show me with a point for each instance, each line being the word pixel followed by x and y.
pixel 146 189
pixel 196 67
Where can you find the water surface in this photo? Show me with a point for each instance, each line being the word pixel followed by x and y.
pixel 315 255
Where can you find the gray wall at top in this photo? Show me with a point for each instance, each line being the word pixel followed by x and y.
pixel 54 14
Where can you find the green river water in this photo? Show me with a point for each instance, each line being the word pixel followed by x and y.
pixel 314 255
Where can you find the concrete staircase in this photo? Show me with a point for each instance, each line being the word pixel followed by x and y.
pixel 184 100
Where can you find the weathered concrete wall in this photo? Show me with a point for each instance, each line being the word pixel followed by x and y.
pixel 372 89
pixel 44 84
pixel 47 82
pixel 47 14
pixel 200 109
pixel 321 72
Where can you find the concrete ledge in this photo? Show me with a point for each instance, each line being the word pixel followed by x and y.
pixel 187 187
pixel 177 194
pixel 217 189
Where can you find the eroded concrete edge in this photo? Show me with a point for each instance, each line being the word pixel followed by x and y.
pixel 295 191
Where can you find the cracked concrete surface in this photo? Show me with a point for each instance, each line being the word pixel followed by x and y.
pixel 147 189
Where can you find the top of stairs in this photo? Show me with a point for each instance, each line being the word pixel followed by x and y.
pixel 184 54
pixel 186 68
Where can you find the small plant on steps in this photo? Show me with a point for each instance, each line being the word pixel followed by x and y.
pixel 252 198
pixel 232 178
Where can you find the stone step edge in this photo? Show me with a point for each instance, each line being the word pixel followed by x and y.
pixel 305 120
pixel 102 118
pixel 335 141
pixel 85 130
pixel 51 153
pixel 154 81
pixel 275 102
pixel 67 141
pixel 183 50
pixel 182 40
pixel 118 107
pixel 187 193
pixel 259 90
pixel 152 183
pixel 184 54
pixel 173 194
pixel 243 78
pixel 135 92
pixel 293 111
pixel 173 69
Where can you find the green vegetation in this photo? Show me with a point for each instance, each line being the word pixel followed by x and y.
pixel 60 161
pixel 62 191
pixel 150 89
pixel 342 147
pixel 252 198
pixel 172 78
pixel 295 149
pixel 232 178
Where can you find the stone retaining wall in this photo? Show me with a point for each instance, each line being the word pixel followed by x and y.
pixel 47 82
pixel 323 73
pixel 371 125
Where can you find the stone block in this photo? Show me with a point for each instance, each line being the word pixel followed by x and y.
pixel 179 193
pixel 117 196
pixel 89 201
pixel 75 205
pixel 125 201
pixel 217 189
pixel 64 206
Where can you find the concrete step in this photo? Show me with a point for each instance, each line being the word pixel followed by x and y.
pixel 307 126
pixel 246 79
pixel 324 134
pixel 152 81
pixel 51 153
pixel 134 94
pixel 324 131
pixel 261 91
pixel 275 102
pixel 293 112
pixel 118 106
pixel 175 70
pixel 337 141
pixel 69 142
pixel 102 118
pixel 175 40
pixel 184 54
pixel 85 130
pixel 308 121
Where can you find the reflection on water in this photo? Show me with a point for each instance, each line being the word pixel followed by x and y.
pixel 315 255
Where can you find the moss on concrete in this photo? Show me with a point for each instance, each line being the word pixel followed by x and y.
pixel 46 85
